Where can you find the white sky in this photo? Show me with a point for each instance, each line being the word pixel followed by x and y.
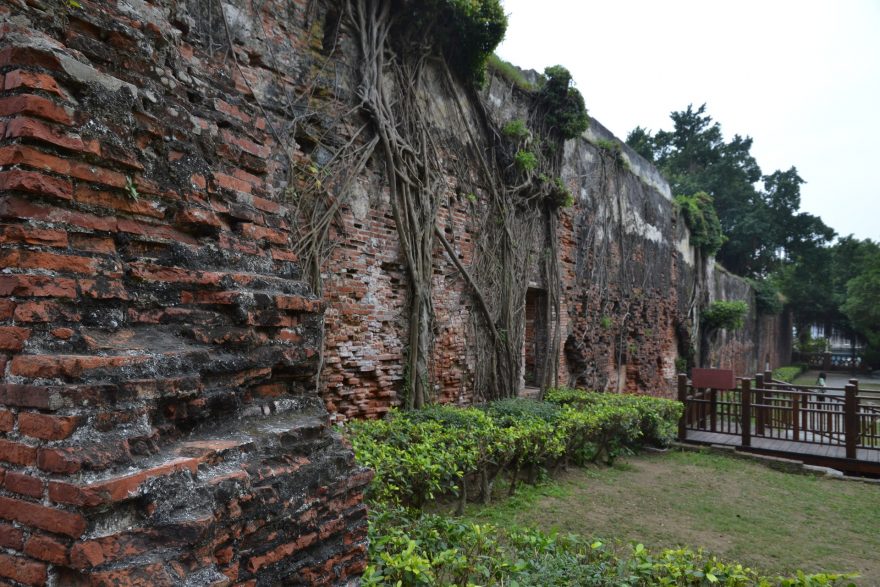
pixel 801 77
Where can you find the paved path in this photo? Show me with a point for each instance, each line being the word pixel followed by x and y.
pixel 840 378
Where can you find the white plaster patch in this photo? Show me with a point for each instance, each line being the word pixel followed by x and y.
pixel 684 247
pixel 359 201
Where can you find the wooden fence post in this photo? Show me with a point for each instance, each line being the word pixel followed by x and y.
pixel 713 410
pixel 851 421
pixel 682 397
pixel 759 400
pixel 805 412
pixel 746 426
pixel 795 404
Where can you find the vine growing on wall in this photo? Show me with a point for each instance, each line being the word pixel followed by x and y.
pixel 402 44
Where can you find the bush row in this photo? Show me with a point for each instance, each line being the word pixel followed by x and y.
pixel 420 455
pixel 432 550
pixel 442 450
pixel 788 373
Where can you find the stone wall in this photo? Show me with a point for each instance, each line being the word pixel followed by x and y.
pixel 627 275
pixel 168 374
pixel 158 348
pixel 763 343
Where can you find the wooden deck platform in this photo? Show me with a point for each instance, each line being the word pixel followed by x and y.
pixel 867 460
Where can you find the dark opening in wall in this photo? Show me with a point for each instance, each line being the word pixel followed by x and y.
pixel 535 337
pixel 331 31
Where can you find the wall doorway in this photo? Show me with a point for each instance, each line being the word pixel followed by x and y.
pixel 535 351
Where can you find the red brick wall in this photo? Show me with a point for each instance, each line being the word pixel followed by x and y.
pixel 159 422
pixel 623 295
pixel 763 341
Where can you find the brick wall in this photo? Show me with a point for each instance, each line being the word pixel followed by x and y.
pixel 763 342
pixel 159 421
pixel 160 350
pixel 626 269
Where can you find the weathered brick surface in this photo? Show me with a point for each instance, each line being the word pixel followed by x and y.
pixel 764 342
pixel 159 423
pixel 159 349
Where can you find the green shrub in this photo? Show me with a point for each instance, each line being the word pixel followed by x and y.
pixel 563 105
pixel 702 220
pixel 768 299
pixel 613 147
pixel 424 454
pixel 681 365
pixel 510 72
pixel 788 373
pixel 516 129
pixel 657 418
pixel 414 461
pixel 811 345
pixel 727 315
pixel 525 160
pixel 429 550
pixel 560 195
pixel 465 31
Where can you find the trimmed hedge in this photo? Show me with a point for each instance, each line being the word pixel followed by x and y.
pixel 788 373
pixel 424 454
pixel 429 453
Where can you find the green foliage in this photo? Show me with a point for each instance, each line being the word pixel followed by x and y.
pixel 131 189
pixel 788 373
pixel 606 322
pixel 516 129
pixel 641 141
pixel 466 31
pixel 429 550
pixel 563 105
pixel 510 72
pixel 559 195
pixel 419 455
pixel 681 365
pixel 861 305
pixel 702 221
pixel 763 227
pixel 432 550
pixel 809 344
pixel 609 145
pixel 615 149
pixel 656 418
pixel 425 453
pixel 816 289
pixel 525 160
pixel 728 315
pixel 768 299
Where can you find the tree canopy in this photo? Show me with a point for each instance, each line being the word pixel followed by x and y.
pixel 758 213
pixel 763 234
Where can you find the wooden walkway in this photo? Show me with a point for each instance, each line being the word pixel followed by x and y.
pixel 867 459
pixel 837 428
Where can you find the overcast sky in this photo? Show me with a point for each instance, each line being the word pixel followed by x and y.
pixel 801 77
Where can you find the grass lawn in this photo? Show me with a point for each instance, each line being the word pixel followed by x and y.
pixel 772 521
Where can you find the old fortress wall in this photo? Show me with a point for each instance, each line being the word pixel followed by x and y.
pixel 168 374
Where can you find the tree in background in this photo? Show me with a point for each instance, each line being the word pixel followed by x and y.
pixel 860 260
pixel 763 228
pixel 763 233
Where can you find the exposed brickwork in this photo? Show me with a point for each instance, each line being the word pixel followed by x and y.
pixel 158 348
pixel 764 342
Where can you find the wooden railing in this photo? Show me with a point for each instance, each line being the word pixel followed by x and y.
pixel 765 408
